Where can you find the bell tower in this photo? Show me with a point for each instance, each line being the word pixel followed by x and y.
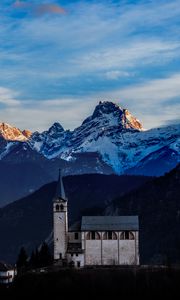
pixel 60 221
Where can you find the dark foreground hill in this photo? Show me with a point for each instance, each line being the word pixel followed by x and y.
pixel 111 283
pixel 157 203
pixel 28 221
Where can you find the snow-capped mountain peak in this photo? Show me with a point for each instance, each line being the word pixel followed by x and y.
pixel 111 136
pixel 55 129
pixel 10 133
pixel 111 114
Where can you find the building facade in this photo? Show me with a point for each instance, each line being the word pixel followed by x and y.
pixel 96 240
pixel 7 273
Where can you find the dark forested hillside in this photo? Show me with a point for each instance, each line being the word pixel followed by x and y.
pixel 28 221
pixel 157 203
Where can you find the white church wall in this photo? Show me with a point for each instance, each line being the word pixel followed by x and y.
pixel 7 276
pixel 127 252
pixel 72 239
pixel 137 247
pixel 110 252
pixel 77 259
pixel 93 252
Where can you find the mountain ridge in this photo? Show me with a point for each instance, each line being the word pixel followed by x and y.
pixel 116 138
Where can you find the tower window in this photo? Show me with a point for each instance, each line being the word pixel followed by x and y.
pixel 76 236
pixel 57 207
pixel 62 207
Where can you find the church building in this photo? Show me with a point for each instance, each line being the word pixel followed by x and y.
pixel 96 240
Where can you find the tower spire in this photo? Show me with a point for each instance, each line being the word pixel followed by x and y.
pixel 60 193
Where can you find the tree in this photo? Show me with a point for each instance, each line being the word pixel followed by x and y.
pixel 45 257
pixel 32 261
pixel 22 259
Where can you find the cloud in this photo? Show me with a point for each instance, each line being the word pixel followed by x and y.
pixel 40 9
pixel 112 46
pixel 115 74
pixel 49 9
pixel 20 4
pixel 7 97
pixel 70 112
pixel 153 91
pixel 154 102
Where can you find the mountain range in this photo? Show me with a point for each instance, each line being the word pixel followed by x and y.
pixel 110 141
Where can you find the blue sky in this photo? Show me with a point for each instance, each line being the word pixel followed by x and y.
pixel 59 58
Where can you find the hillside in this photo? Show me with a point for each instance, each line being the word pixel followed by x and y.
pixel 157 203
pixel 28 221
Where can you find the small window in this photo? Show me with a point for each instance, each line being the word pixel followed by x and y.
pixel 57 207
pixel 93 235
pixel 109 235
pixel 76 235
pixel 71 254
pixel 78 264
pixel 62 207
pixel 76 254
pixel 127 235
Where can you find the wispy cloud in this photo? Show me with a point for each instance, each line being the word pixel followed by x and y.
pixel 8 97
pixel 39 9
pixel 116 74
pixel 100 49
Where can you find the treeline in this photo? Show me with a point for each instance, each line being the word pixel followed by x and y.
pixel 40 257
pixel 97 283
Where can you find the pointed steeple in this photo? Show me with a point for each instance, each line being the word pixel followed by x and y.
pixel 60 193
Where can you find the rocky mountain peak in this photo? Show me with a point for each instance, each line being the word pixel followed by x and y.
pixel 112 114
pixel 55 129
pixel 12 133
pixel 106 107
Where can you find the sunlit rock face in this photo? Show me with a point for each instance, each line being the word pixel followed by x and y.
pixel 10 133
pixel 109 140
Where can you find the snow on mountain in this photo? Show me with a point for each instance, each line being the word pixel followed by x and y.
pixel 116 138
pixel 113 133
pixel 10 133
pixel 50 142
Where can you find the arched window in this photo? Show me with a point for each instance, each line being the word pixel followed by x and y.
pixel 105 236
pixel 126 235
pixel 109 235
pixel 62 207
pixel 93 235
pixel 131 235
pixel 57 207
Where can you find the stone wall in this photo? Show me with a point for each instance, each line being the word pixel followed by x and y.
pixel 111 252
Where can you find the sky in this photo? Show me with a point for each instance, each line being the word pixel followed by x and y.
pixel 58 59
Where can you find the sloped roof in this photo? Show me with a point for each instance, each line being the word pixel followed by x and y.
pixel 75 227
pixel 5 267
pixel 60 192
pixel 101 223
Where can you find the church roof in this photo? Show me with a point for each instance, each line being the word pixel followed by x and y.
pixel 5 267
pixel 101 223
pixel 60 193
pixel 75 227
